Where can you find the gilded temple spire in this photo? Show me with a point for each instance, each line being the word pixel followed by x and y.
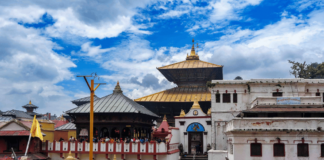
pixel 193 55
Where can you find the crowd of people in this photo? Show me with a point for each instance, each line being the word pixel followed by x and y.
pixel 117 140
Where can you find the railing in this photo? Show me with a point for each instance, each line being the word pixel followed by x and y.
pixel 152 148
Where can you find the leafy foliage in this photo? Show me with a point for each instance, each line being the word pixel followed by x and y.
pixel 304 70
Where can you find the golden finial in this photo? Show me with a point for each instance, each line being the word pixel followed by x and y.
pixel 62 118
pixel 117 88
pixel 164 118
pixel 193 55
pixel 182 113
pixel 69 157
pixel 193 40
pixel 30 102
pixel 209 112
pixel 196 104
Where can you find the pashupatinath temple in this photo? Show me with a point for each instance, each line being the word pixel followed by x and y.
pixel 191 77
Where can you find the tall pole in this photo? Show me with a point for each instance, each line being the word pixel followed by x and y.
pixel 91 120
pixel 92 90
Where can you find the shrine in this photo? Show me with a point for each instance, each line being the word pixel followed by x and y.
pixel 191 77
pixel 115 116
pixel 195 129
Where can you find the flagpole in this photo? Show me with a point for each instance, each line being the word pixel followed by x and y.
pixel 28 144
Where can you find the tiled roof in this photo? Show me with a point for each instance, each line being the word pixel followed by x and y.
pixel 85 99
pixel 113 103
pixel 17 114
pixel 190 64
pixel 59 123
pixel 67 126
pixel 5 118
pixel 179 94
pixel 14 133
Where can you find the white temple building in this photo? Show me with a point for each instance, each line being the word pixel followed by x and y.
pixel 267 119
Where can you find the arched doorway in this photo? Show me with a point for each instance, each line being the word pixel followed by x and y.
pixel 104 132
pixel 195 137
pixel 126 133
pixel 115 133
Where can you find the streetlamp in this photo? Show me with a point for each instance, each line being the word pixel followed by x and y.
pixel 92 90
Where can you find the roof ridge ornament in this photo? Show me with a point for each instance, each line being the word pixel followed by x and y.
pixel 196 104
pixel 182 113
pixel 164 118
pixel 30 102
pixel 209 112
pixel 193 55
pixel 117 88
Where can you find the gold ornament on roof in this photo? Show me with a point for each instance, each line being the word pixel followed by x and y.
pixel 30 102
pixel 193 55
pixel 117 88
pixel 164 118
pixel 196 104
pixel 182 113
pixel 209 112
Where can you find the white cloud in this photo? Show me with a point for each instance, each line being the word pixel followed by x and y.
pixel 30 69
pixel 265 53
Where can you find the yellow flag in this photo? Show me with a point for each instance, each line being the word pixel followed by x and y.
pixel 35 129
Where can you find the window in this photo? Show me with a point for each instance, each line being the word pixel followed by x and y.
pixel 322 150
pixel 277 94
pixel 231 148
pixel 217 98
pixel 256 149
pixel 318 94
pixel 272 114
pixel 235 98
pixel 279 150
pixel 302 150
pixel 226 98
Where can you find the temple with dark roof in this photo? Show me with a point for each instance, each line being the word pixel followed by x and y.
pixel 115 115
pixel 191 77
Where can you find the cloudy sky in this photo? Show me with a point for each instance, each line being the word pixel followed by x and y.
pixel 45 44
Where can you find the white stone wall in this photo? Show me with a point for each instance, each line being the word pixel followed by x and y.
pixel 247 91
pixel 241 144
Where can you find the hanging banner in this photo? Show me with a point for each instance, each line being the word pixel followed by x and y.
pixel 288 100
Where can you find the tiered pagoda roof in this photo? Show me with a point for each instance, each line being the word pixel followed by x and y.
pixel 116 102
pixel 191 77
pixel 179 94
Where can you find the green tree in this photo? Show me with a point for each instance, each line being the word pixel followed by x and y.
pixel 299 70
pixel 303 70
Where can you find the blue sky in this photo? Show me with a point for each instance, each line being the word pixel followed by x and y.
pixel 45 44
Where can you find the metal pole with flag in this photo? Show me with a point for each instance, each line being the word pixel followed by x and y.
pixel 35 131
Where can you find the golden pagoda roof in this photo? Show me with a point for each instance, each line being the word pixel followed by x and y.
pixel 179 94
pixel 190 64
